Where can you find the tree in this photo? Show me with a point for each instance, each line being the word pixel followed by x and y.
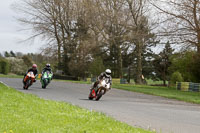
pixel 109 24
pixel 183 63
pixel 55 21
pixel 109 27
pixel 27 61
pixel 140 31
pixel 6 54
pixel 195 65
pixel 147 57
pixel 47 19
pixel 187 63
pixel 79 63
pixel 182 23
pixel 162 62
pixel 119 26
pixel 96 66
pixel 12 54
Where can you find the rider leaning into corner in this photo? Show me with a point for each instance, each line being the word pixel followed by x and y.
pixel 104 75
pixel 34 70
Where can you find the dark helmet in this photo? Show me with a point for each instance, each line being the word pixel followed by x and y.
pixel 48 65
pixel 34 66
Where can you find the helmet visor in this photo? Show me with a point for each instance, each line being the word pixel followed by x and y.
pixel 108 73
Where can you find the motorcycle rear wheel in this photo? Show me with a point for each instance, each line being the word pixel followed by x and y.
pixel 27 85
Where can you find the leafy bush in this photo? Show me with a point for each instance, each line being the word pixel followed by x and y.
pixel 176 77
pixel 4 66
pixel 187 63
pixel 17 66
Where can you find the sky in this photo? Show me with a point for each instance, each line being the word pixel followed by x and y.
pixel 10 36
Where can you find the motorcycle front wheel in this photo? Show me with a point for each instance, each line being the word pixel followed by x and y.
pixel 27 84
pixel 99 95
pixel 44 84
pixel 90 98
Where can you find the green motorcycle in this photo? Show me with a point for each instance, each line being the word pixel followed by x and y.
pixel 46 79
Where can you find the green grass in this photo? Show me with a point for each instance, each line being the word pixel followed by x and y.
pixel 151 82
pixel 26 113
pixel 172 93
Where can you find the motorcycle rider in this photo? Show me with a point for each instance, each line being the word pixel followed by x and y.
pixel 47 68
pixel 106 75
pixel 34 70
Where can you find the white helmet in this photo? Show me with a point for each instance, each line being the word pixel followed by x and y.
pixel 108 72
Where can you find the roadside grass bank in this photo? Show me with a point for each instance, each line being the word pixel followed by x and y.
pixel 20 113
pixel 167 92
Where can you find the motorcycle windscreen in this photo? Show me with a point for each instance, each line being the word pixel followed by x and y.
pixel 45 75
pixel 31 74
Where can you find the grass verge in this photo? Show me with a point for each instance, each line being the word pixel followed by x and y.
pixel 23 113
pixel 172 93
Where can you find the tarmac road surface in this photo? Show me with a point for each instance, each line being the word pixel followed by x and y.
pixel 140 110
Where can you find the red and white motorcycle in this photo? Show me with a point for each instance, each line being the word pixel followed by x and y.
pixel 100 90
pixel 28 80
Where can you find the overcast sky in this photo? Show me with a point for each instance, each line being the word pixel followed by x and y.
pixel 10 36
pixel 9 31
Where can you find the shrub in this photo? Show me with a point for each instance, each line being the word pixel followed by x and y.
pixel 176 77
pixel 4 66
pixel 185 64
pixel 17 66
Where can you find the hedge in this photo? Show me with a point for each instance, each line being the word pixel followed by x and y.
pixel 4 66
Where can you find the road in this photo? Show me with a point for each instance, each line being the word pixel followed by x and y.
pixel 139 110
